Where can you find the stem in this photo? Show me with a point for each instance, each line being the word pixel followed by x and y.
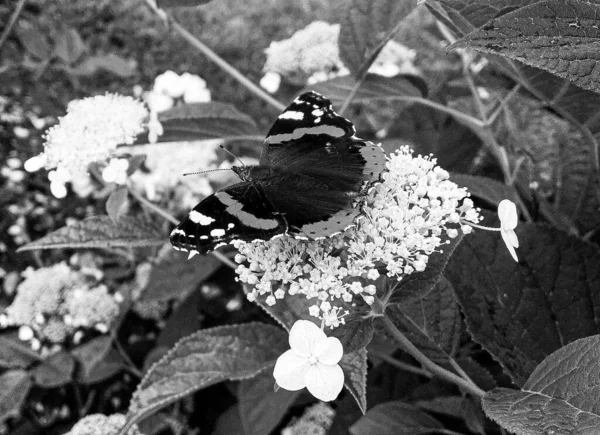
pixel 170 218
pixel 229 69
pixel 130 365
pixel 427 364
pixel 399 364
pixel 351 95
pixel 11 22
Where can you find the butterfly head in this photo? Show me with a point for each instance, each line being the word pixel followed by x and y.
pixel 242 171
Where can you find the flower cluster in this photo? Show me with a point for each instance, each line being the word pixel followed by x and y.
pixel 311 55
pixel 316 420
pixel 54 303
pixel 170 86
pixel 100 424
pixel 407 217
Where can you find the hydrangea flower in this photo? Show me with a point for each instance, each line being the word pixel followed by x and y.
pixel 116 171
pixel 99 424
pixel 312 362
pixel 507 212
pixel 406 218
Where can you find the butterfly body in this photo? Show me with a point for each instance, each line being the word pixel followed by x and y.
pixel 312 173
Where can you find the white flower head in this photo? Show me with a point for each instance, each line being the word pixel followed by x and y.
pixel 91 130
pixel 270 82
pixel 116 171
pixel 312 362
pixel 507 212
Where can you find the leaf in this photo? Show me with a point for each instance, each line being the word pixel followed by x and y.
pixel 184 320
pixel 55 371
pixel 559 36
pixel 355 334
pixel 117 204
pixel 34 41
pixel 205 358
pixel 522 312
pixel 99 232
pixel 354 366
pixel 200 121
pixel 366 26
pixel 105 62
pixel 15 353
pixel 14 388
pixel 261 408
pixel 396 418
pixel 432 323
pixel 560 396
pixel 180 3
pixel 98 360
pixel 174 276
pixel 69 46
pixel 419 284
pixel 485 188
pixel 373 88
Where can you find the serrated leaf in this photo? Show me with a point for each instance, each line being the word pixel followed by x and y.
pixel 560 396
pixel 174 276
pixel 478 373
pixel 55 371
pixel 373 88
pixel 181 3
pixel 205 358
pixel 354 366
pixel 100 232
pixel 396 418
pixel 355 334
pixel 261 408
pixel 432 323
pixel 15 353
pixel 487 189
pixel 522 312
pixel 559 36
pixel 419 284
pixel 14 387
pixel 200 121
pixel 117 204
pixel 366 25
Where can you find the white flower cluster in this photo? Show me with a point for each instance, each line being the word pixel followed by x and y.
pixel 100 424
pixel 406 218
pixel 311 55
pixel 170 86
pixel 53 303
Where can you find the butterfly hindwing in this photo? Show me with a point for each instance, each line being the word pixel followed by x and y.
pixel 238 212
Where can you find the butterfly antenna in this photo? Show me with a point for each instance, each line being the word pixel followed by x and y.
pixel 231 154
pixel 203 172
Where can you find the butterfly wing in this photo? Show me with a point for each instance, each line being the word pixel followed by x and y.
pixel 238 212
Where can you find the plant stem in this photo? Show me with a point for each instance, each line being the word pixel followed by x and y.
pixel 427 364
pixel 11 22
pixel 399 364
pixel 170 218
pixel 229 69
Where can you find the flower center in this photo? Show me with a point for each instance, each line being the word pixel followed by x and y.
pixel 312 360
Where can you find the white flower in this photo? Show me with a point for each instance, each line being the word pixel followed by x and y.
pixel 270 82
pixel 312 362
pixel 169 83
pixel 507 212
pixel 116 171
pixel 158 102
pixel 91 131
pixel 195 90
pixel 35 163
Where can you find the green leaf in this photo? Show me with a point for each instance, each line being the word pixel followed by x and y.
pixel 354 366
pixel 68 45
pixel 419 284
pixel 174 276
pixel 355 334
pixel 200 121
pixel 366 26
pixel 100 232
pixel 261 408
pixel 117 204
pixel 55 371
pixel 432 323
pixel 180 3
pixel 522 312
pixel 184 320
pixel 205 358
pixel 560 396
pixel 105 62
pixel 98 360
pixel 396 418
pixel 487 189
pixel 14 387
pixel 373 88
pixel 34 41
pixel 14 353
pixel 559 36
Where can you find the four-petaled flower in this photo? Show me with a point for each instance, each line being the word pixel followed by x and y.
pixel 312 362
pixel 507 212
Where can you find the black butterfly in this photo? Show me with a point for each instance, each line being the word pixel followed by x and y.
pixel 312 172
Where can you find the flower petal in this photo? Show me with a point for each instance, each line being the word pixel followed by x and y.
pixel 329 351
pixel 290 371
pixel 507 212
pixel 303 336
pixel 324 381
pixel 511 242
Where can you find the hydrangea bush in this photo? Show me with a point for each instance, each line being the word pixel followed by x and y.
pixel 463 299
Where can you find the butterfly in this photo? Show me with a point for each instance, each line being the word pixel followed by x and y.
pixel 308 184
